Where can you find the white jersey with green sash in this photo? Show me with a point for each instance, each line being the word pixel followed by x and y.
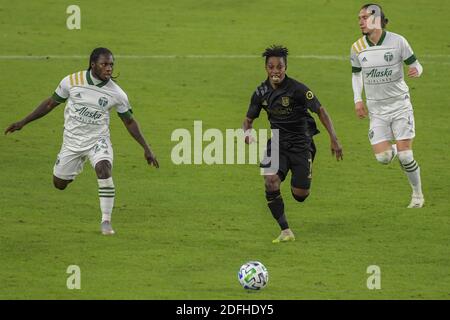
pixel 89 102
pixel 382 70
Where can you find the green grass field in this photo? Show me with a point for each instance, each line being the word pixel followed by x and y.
pixel 184 231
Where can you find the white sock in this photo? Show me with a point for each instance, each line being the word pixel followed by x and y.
pixel 412 170
pixel 106 193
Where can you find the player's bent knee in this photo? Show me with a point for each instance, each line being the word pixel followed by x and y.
pixel 59 186
pixel 385 157
pixel 300 198
pixel 60 183
pixel 272 182
pixel 103 169
pixel 300 195
pixel 405 156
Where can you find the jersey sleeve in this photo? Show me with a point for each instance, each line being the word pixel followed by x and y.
pixel 406 51
pixel 254 108
pixel 356 66
pixel 305 96
pixel 62 91
pixel 123 106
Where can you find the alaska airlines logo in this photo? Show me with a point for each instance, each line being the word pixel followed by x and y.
pixel 375 73
pixel 84 112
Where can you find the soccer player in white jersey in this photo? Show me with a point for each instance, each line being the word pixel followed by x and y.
pixel 377 65
pixel 90 96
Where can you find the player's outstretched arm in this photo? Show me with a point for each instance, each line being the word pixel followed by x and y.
pixel 133 128
pixel 45 107
pixel 336 148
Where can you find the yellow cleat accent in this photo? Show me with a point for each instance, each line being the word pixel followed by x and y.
pixel 284 237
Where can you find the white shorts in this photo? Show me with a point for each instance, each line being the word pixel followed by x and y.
pixel 70 163
pixel 392 128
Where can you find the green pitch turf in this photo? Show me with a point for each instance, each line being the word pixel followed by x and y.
pixel 184 231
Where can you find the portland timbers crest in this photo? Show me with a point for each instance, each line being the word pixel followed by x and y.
pixel 388 56
pixel 285 101
pixel 371 134
pixel 103 102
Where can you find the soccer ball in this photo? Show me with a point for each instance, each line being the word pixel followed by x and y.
pixel 253 275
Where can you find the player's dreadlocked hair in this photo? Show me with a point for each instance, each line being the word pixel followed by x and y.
pixel 384 20
pixel 96 53
pixel 276 51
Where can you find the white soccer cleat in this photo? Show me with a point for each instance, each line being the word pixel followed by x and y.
pixel 107 228
pixel 417 201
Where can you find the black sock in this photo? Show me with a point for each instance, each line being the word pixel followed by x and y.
pixel 276 206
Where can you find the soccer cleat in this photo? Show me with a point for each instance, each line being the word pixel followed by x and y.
pixel 285 236
pixel 107 228
pixel 417 201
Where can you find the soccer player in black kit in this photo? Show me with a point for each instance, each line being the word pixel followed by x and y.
pixel 287 103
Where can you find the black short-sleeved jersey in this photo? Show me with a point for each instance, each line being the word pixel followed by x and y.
pixel 287 110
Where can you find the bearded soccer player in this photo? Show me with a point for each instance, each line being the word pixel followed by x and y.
pixel 377 64
pixel 288 103
pixel 91 95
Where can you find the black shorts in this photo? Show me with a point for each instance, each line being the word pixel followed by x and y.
pixel 298 161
